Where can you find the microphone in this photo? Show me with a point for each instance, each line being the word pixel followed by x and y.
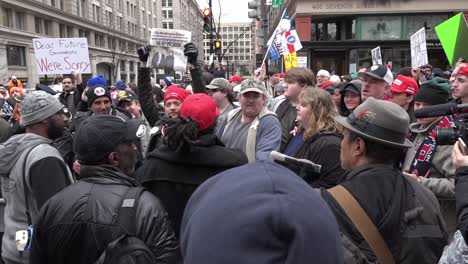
pixel 440 110
pixel 276 156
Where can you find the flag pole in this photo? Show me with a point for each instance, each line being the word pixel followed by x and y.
pixel 272 38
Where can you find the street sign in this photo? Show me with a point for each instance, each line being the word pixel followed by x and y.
pixel 61 55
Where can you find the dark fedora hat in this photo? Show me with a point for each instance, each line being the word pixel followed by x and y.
pixel 381 121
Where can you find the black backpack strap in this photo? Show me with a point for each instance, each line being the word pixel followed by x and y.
pixel 25 185
pixel 127 211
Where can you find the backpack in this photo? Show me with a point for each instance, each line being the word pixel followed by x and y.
pixel 127 248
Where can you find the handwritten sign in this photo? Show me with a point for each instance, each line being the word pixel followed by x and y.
pixel 376 56
pixel 419 48
pixel 61 55
pixel 290 61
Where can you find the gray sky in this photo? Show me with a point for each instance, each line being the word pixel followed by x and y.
pixel 231 10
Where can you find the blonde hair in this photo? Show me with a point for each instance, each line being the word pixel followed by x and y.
pixel 323 112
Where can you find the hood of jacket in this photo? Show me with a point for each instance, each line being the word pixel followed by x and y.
pixel 11 150
pixel 277 215
pixel 207 151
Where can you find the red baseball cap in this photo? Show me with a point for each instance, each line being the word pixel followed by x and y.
pixel 175 92
pixel 463 70
pixel 235 78
pixel 404 84
pixel 200 108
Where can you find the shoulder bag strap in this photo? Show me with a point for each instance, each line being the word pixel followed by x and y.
pixel 127 212
pixel 363 223
pixel 25 185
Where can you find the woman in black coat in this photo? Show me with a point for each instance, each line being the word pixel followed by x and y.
pixel 317 137
pixel 190 154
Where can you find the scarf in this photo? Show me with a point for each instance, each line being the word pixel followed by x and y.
pixel 422 163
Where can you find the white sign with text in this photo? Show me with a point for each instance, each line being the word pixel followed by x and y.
pixel 419 48
pixel 376 56
pixel 61 55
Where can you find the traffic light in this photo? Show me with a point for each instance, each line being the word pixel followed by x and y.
pixel 255 5
pixel 218 47
pixel 207 19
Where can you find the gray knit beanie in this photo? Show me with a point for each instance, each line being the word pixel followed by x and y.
pixel 38 106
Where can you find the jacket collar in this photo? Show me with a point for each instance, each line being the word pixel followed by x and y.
pixel 417 128
pixel 106 174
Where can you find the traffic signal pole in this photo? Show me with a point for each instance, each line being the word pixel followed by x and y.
pixel 211 27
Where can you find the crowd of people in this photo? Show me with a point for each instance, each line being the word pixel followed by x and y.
pixel 152 173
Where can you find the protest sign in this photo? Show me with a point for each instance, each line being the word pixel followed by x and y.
pixel 376 56
pixel 418 48
pixel 453 35
pixel 302 61
pixel 290 61
pixel 167 49
pixel 61 55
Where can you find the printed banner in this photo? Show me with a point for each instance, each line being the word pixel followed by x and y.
pixel 290 61
pixel 376 56
pixel 61 55
pixel 418 48
pixel 284 40
pixel 167 51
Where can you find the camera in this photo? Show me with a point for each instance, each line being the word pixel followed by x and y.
pixel 23 239
pixel 448 135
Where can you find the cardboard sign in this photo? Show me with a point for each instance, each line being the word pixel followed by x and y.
pixel 419 48
pixel 167 50
pixel 290 61
pixel 61 55
pixel 376 56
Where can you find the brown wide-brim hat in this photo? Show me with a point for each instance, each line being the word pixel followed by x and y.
pixel 380 121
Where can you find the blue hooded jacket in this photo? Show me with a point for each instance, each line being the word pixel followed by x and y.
pixel 259 213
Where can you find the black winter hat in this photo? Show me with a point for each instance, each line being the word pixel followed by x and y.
pixel 97 91
pixel 435 91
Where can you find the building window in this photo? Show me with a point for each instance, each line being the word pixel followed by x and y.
pixel 70 33
pixel 20 21
pixel 128 8
pixel 122 45
pixel 122 65
pixel 62 5
pixel 82 8
pixel 96 13
pixel 7 17
pixel 167 3
pixel 38 25
pixel 62 31
pixel 167 14
pixel 52 3
pixel 16 55
pixel 381 27
pixel 48 28
pixel 167 25
pixel 131 66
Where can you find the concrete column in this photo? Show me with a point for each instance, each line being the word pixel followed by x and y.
pixel 127 71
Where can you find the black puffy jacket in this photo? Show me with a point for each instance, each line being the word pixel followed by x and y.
pixel 174 175
pixel 77 223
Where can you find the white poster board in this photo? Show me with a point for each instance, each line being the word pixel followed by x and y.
pixel 376 56
pixel 419 48
pixel 302 61
pixel 61 55
pixel 167 49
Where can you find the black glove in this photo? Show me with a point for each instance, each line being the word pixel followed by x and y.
pixel 191 51
pixel 143 53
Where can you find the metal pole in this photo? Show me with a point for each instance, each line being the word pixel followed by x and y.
pixel 211 27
